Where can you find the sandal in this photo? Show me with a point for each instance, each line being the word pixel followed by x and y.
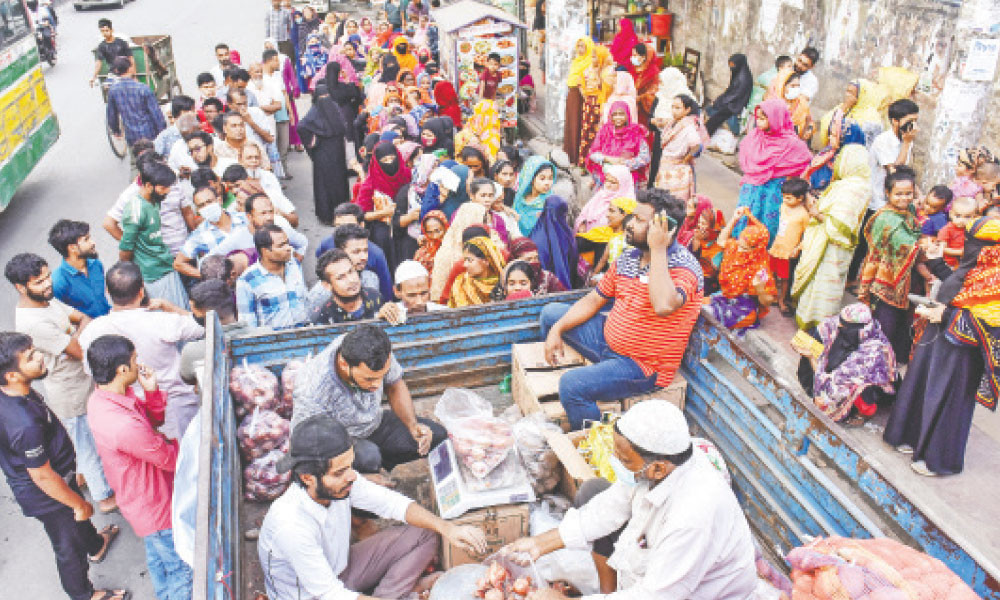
pixel 109 534
pixel 112 595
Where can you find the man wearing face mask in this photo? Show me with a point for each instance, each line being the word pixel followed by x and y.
pixel 346 381
pixel 142 237
pixel 669 527
pixel 157 328
pixel 216 227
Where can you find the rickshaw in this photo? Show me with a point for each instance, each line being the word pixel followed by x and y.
pixel 154 67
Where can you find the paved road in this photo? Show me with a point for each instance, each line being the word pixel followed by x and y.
pixel 80 179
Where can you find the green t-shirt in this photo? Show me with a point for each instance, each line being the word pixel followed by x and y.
pixel 142 237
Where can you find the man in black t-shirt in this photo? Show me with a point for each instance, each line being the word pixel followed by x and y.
pixel 109 49
pixel 38 460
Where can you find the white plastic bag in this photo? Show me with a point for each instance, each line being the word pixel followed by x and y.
pixel 482 442
pixel 261 432
pixel 539 460
pixel 575 567
pixel 253 386
pixel 724 141
pixel 261 479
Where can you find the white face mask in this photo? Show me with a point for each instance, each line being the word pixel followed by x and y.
pixel 211 212
pixel 637 60
pixel 253 173
pixel 622 473
pixel 792 93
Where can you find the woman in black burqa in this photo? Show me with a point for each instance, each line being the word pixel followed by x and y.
pixel 324 131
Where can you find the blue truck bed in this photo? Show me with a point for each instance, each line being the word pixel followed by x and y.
pixel 797 473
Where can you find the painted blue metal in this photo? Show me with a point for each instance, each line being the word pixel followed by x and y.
pixel 769 434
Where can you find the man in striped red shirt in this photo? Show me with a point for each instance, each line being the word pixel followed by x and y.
pixel 657 288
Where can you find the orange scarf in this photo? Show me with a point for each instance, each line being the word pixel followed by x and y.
pixel 738 269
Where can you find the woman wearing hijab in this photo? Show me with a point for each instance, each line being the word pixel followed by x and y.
pixel 309 25
pixel 623 91
pixel 598 79
pixel 673 83
pixel 438 134
pixel 621 141
pixel 404 54
pixel 313 59
pixel 406 219
pixel 448 260
pixel 699 233
pixel 682 139
pixel 787 87
pixel 447 101
pixel 856 368
pixel 432 230
pixel 367 32
pixel 573 124
pixel 290 80
pixel 735 98
pixel 384 36
pixel 768 154
pixel 525 249
pixel 624 41
pixel 447 189
pixel 324 130
pixel 386 175
pixel 746 284
pixel 482 130
pixel 347 72
pixel 555 241
pixel 534 184
pixel 483 266
pixel 646 71
pixel 932 415
pixel 347 95
pixel 617 183
pixel 830 238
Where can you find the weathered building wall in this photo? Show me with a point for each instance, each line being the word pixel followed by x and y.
pixel 855 38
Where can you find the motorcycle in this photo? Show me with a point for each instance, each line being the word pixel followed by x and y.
pixel 46 40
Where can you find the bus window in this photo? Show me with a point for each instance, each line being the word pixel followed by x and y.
pixel 13 22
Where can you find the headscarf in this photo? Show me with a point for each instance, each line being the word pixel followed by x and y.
pixel 407 60
pixel 617 142
pixel 686 232
pixel 603 234
pixel 407 149
pixel 624 91
pixel 673 83
pixel 367 37
pixel 443 130
pixel 777 152
pixel 485 125
pixel 736 96
pixel 547 282
pixel 556 244
pixel 871 98
pixel 428 248
pixel 797 108
pixel 856 355
pixel 381 39
pixel 530 211
pixel 580 63
pixel 390 69
pixel 422 172
pixel 350 75
pixel 447 101
pixel 469 215
pixel 595 212
pixel 892 249
pixel 468 290
pixel 379 180
pixel 313 59
pixel 624 41
pixel 647 75
pixel 460 196
pixel 324 119
pixel 739 268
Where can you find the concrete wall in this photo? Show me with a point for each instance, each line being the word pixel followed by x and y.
pixel 855 38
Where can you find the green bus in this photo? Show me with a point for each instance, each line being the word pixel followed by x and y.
pixel 28 127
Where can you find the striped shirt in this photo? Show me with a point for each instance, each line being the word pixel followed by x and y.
pixel 207 236
pixel 266 300
pixel 634 330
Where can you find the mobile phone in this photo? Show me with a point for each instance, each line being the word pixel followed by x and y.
pixel 671 222
pixel 907 127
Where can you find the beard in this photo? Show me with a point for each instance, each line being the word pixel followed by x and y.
pixel 43 297
pixel 325 493
pixel 347 299
pixel 89 254
pixel 635 243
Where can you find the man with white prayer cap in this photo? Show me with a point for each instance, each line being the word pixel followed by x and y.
pixel 413 288
pixel 680 532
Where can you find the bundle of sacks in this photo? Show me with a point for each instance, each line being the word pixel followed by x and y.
pixel 839 568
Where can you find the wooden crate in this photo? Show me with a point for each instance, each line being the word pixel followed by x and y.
pixel 573 468
pixel 535 384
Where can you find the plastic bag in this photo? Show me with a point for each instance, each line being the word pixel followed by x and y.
pixel 598 447
pixel 288 375
pixel 458 583
pixel 482 442
pixel 724 141
pixel 539 460
pixel 575 567
pixel 261 479
pixel 253 386
pixel 506 580
pixel 261 432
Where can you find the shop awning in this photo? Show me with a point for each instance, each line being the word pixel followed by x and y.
pixel 466 12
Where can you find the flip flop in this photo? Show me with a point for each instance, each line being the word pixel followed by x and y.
pixel 114 594
pixel 109 533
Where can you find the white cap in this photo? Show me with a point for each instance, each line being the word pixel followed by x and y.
pixel 656 426
pixel 410 269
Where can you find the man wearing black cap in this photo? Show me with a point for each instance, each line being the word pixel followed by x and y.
pixel 304 544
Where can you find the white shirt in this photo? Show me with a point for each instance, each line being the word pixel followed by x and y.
pixel 304 546
pixel 173 228
pixel 884 152
pixel 272 187
pixel 696 541
pixel 267 93
pixel 156 336
pixel 808 84
pixel 263 121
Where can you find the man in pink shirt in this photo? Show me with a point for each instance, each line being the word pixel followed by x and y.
pixel 138 460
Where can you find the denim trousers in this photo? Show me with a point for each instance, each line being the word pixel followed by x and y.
pixel 611 377
pixel 172 578
pixel 88 462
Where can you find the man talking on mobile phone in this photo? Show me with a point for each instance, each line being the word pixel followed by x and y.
pixel 657 288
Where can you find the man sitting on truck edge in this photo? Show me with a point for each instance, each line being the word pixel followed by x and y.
pixel 657 287
pixel 304 545
pixel 346 381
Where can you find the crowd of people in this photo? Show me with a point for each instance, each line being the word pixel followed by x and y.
pixel 430 208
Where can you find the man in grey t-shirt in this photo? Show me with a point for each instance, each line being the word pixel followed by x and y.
pixel 346 381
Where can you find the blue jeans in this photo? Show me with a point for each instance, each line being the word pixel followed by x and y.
pixel 88 462
pixel 172 578
pixel 611 377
